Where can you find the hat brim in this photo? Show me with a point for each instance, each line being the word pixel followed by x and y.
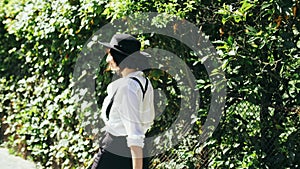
pixel 108 45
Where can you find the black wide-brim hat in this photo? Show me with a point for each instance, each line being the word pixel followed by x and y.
pixel 125 45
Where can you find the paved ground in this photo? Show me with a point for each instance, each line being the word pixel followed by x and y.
pixel 8 161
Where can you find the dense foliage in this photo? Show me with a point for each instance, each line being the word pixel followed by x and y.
pixel 257 41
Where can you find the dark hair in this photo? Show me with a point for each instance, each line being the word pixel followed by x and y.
pixel 134 61
pixel 118 57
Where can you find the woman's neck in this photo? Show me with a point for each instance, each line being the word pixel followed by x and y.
pixel 127 71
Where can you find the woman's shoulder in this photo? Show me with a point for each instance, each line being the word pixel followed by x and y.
pixel 121 83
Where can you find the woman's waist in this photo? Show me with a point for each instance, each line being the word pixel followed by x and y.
pixel 115 144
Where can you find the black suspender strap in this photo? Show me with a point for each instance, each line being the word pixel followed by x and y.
pixel 112 98
pixel 143 89
pixel 109 105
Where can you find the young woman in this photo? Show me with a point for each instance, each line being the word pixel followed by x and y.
pixel 128 110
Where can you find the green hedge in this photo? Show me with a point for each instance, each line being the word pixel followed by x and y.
pixel 258 43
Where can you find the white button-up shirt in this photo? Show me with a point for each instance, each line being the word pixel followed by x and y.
pixel 130 114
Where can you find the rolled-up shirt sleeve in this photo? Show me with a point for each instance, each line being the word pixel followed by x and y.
pixel 131 115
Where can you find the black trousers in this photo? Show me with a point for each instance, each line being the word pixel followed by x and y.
pixel 115 154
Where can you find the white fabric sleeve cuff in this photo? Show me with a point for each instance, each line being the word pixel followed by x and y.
pixel 135 140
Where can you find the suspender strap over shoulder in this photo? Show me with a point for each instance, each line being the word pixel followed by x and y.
pixel 143 89
pixel 112 99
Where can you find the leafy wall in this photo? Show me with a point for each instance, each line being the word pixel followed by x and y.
pixel 258 43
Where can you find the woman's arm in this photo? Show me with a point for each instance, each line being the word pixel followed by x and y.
pixel 137 157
